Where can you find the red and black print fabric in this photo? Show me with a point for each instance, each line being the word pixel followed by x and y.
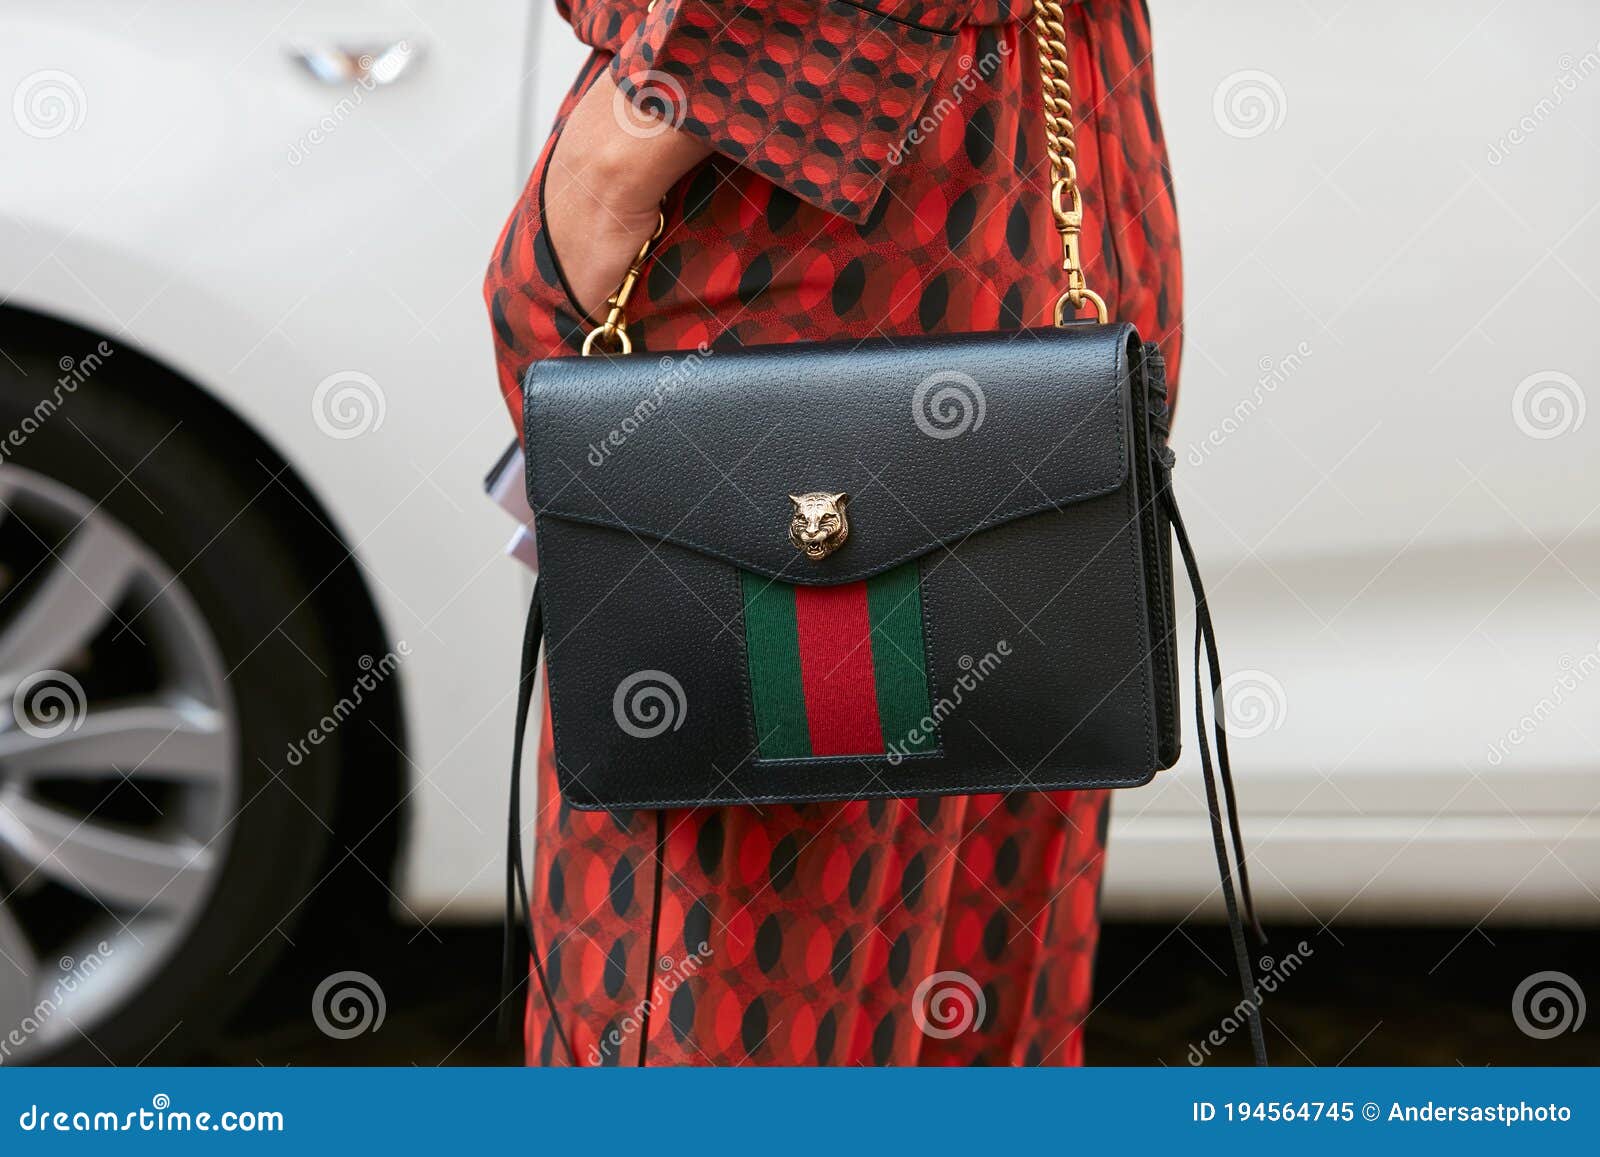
pixel 812 94
pixel 830 933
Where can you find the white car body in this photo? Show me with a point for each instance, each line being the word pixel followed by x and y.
pixel 1404 579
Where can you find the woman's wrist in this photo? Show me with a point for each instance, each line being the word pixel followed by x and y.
pixel 629 158
pixel 611 167
pixel 642 169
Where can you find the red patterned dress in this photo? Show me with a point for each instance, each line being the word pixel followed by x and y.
pixel 878 168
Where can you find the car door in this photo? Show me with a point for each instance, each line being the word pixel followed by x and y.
pixel 277 215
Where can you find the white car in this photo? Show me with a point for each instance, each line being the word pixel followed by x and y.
pixel 256 623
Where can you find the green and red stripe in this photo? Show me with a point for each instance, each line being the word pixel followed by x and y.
pixel 837 670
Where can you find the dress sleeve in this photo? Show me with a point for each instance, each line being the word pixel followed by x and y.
pixel 818 96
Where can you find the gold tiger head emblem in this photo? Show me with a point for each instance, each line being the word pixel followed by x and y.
pixel 819 524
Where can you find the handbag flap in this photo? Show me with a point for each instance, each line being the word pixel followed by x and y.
pixel 932 439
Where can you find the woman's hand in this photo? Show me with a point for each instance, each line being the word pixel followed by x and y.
pixel 603 189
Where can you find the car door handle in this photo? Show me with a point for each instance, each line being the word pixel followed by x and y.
pixel 341 65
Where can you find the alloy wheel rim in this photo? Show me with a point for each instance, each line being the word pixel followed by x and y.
pixel 119 763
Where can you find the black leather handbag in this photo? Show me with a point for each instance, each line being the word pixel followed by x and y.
pixel 837 571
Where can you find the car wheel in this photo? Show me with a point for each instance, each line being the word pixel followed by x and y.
pixel 159 655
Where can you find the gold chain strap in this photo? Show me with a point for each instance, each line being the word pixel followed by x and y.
pixel 1066 201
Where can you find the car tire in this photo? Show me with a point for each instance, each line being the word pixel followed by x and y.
pixel 225 568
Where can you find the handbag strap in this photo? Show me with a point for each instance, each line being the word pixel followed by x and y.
pixel 1240 907
pixel 1237 922
pixel 1066 199
pixel 516 878
pixel 1061 146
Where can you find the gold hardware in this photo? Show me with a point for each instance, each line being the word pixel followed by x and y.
pixel 615 326
pixel 1101 313
pixel 1066 200
pixel 819 524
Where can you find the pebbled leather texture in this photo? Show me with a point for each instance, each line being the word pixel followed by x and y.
pixel 1044 561
pixel 703 450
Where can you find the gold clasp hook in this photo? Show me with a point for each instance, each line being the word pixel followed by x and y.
pixel 615 326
